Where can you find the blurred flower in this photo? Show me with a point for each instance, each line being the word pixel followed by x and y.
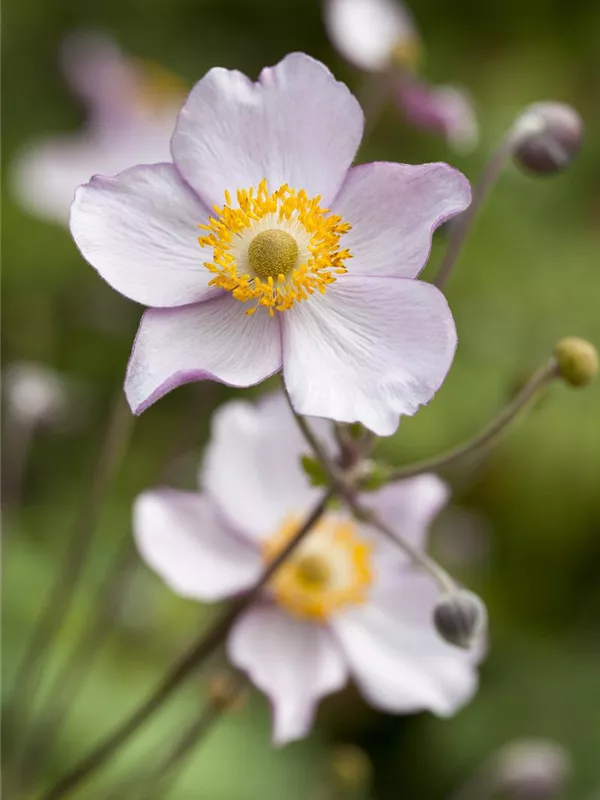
pixel 446 110
pixel 372 34
pixel 34 394
pixel 381 36
pixel 531 769
pixel 131 109
pixel 345 603
pixel 338 306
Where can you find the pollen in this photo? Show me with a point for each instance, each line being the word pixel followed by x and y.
pixel 274 249
pixel 331 569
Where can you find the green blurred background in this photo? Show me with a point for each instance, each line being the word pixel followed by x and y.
pixel 525 531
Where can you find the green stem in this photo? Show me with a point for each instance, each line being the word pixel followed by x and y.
pixel 492 431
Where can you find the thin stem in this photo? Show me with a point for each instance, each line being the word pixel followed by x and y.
pixel 459 233
pixel 497 426
pixel 71 678
pixel 189 661
pixel 29 674
pixel 313 441
pixel 419 557
pixel 165 776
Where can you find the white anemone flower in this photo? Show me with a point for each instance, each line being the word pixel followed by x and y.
pixel 131 107
pixel 346 604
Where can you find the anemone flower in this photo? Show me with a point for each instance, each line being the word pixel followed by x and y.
pixel 380 36
pixel 304 264
pixel 345 604
pixel 131 107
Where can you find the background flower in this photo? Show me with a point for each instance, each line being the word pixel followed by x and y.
pixel 380 36
pixel 346 603
pixel 130 112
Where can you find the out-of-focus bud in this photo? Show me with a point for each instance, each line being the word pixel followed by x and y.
pixel 530 769
pixel 351 769
pixel 577 361
pixel 547 137
pixel 460 618
pixel 224 691
pixel 34 394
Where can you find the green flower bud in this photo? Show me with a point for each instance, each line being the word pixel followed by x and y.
pixel 314 470
pixel 577 361
pixel 460 618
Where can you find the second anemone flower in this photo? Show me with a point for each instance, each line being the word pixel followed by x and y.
pixel 261 249
pixel 345 603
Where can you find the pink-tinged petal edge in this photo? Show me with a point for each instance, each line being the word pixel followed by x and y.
pixel 294 662
pixel 232 133
pixel 215 340
pixel 139 230
pixel 368 350
pixel 394 210
pixel 182 537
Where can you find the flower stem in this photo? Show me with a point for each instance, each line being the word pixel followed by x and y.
pixel 459 233
pixel 420 558
pixel 540 379
pixel 30 671
pixel 182 668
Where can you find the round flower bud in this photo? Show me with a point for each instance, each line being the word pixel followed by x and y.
pixel 577 361
pixel 547 137
pixel 460 618
pixel 351 768
pixel 531 769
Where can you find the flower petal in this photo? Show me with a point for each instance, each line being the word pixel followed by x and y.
pixel 181 537
pixel 252 466
pixel 368 350
pixel 394 210
pixel 214 340
pixel 297 125
pixel 140 231
pixel 400 662
pixel 409 507
pixel 366 31
pixel 294 662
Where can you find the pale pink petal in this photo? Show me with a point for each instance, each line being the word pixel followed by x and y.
pixel 293 661
pixel 409 507
pixel 214 340
pixel 140 231
pixel 398 659
pixel 394 210
pixel 445 110
pixel 297 125
pixel 366 31
pixel 368 350
pixel 181 536
pixel 252 466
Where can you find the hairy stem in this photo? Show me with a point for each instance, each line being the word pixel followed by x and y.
pixel 492 430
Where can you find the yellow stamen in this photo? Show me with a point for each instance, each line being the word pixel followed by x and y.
pixel 331 569
pixel 269 221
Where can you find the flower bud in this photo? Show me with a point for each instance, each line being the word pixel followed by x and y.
pixel 577 361
pixel 531 769
pixel 351 769
pixel 547 137
pixel 460 618
pixel 224 691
